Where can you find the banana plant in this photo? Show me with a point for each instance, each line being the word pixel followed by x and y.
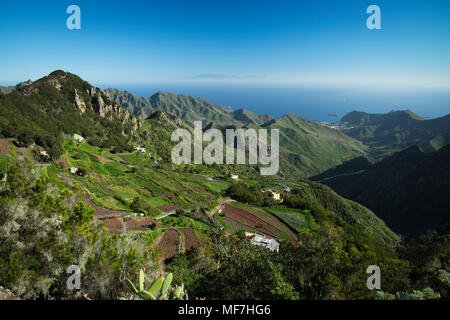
pixel 160 289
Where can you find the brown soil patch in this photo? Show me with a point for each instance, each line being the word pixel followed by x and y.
pixel 103 159
pixel 145 190
pixel 167 207
pixel 115 225
pixel 248 219
pixel 133 225
pixel 169 243
pixel 139 223
pixel 190 241
pixel 62 162
pixel 5 146
pixel 102 212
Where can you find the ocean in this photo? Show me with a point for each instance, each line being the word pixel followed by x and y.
pixel 312 102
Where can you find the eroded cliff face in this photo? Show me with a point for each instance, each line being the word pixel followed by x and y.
pixel 102 105
pixel 80 103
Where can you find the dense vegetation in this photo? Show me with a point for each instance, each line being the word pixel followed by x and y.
pixel 45 110
pixel 44 230
pixel 328 263
pixel 326 241
pixel 306 147
pixel 407 190
pixel 388 133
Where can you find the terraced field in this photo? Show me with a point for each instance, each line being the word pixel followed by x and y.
pixel 169 243
pixel 295 218
pixel 277 226
pixel 190 241
pixel 135 175
pixel 248 219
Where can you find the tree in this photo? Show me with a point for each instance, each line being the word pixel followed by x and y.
pixel 140 205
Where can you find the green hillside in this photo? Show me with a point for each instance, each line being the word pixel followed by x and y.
pixel 388 133
pixel 113 209
pixel 308 148
pixel 62 103
pixel 407 190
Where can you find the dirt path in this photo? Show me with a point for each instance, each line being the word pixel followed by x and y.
pixel 5 146
pixel 219 208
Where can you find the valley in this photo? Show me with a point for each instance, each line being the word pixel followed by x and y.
pixel 103 177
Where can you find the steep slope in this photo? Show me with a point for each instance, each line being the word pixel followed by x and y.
pixel 187 108
pixel 355 215
pixel 62 103
pixel 388 133
pixel 308 148
pixel 408 190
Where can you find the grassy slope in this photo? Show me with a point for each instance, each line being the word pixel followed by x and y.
pixel 351 212
pixel 388 133
pixel 114 185
pixel 308 148
pixel 407 189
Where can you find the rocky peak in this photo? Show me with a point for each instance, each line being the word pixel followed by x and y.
pixel 80 103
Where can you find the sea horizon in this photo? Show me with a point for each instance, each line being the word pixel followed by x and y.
pixel 322 103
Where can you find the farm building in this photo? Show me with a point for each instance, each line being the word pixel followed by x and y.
pixel 78 138
pixel 43 153
pixel 262 240
pixel 234 176
pixel 274 195
pixel 73 170
pixel 140 149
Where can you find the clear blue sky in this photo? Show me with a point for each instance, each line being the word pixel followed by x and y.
pixel 259 41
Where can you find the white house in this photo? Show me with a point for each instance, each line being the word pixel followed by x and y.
pixel 78 138
pixel 140 149
pixel 73 170
pixel 287 189
pixel 274 195
pixel 234 176
pixel 262 240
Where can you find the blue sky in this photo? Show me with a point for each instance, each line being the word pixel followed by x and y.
pixel 287 42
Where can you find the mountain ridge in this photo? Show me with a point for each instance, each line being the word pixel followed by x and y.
pixel 302 143
pixel 391 132
pixel 407 189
